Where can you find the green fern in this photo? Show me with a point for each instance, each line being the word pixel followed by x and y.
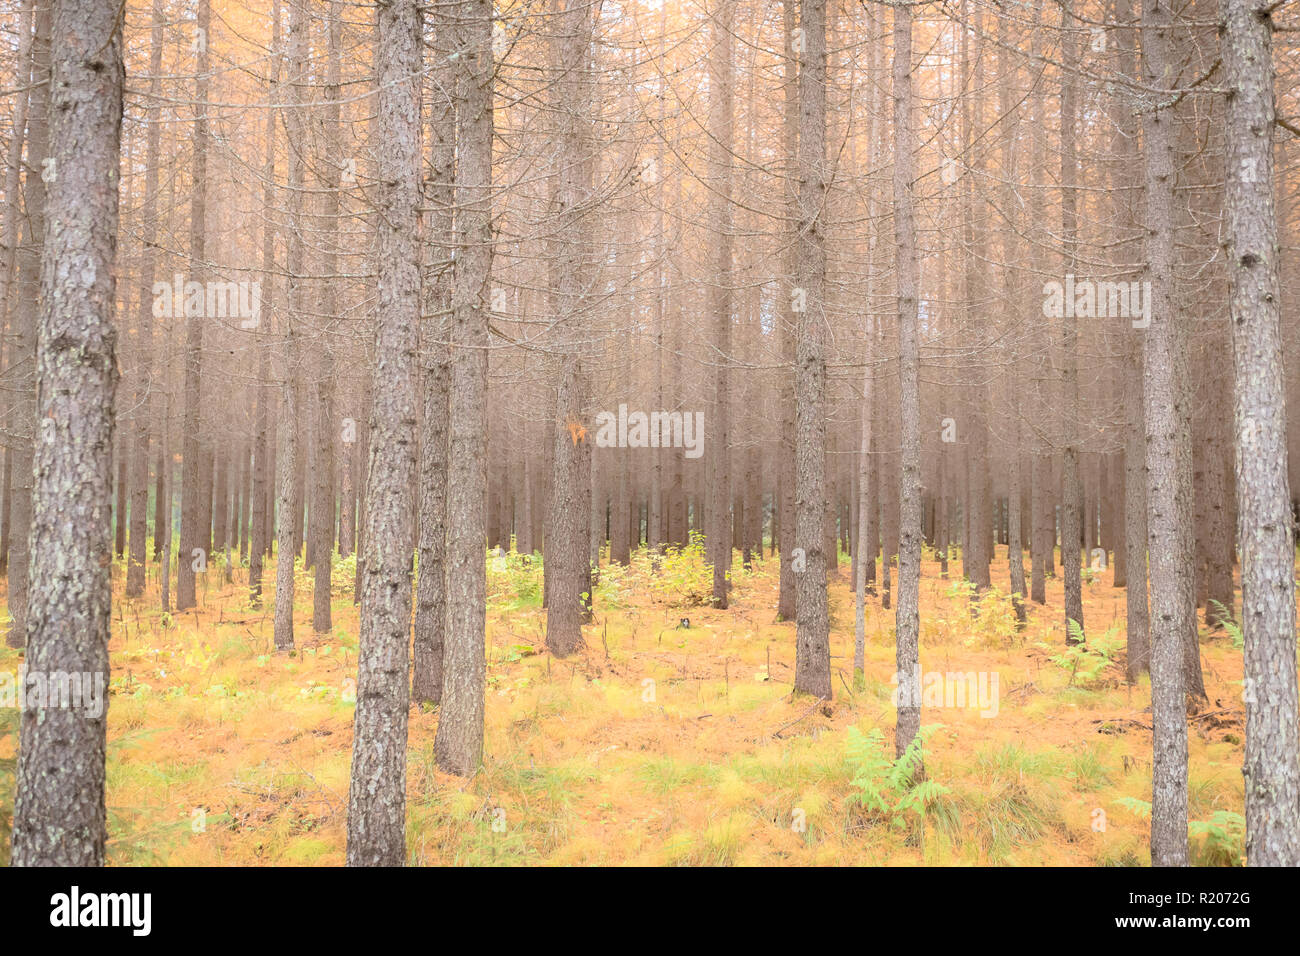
pixel 1085 662
pixel 1229 625
pixel 889 787
pixel 1218 841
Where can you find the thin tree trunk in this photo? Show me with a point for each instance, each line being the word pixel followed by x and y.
pixel 195 535
pixel 812 640
pixel 909 554
pixel 263 476
pixel 431 585
pixel 458 747
pixel 23 350
pixel 720 215
pixel 1072 501
pixel 789 148
pixel 288 509
pixel 864 552
pixel 1168 465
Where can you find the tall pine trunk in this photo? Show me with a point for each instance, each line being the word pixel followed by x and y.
pixel 907 614
pixel 1263 486
pixel 59 809
pixel 458 747
pixel 812 613
pixel 377 795
pixel 1168 463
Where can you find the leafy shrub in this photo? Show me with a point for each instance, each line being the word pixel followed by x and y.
pixel 685 575
pixel 514 580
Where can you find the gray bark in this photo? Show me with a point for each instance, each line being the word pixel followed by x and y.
pixel 377 795
pixel 431 586
pixel 23 349
pixel 322 501
pixel 1271 768
pixel 786 484
pixel 574 530
pixel 720 305
pixel 135 576
pixel 288 507
pixel 263 476
pixel 1168 462
pixel 1072 484
pixel 812 614
pixel 59 810
pixel 906 268
pixel 195 530
pixel 458 747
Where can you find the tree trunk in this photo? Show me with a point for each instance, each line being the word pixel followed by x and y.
pixel 322 498
pixel 906 268
pixel 1169 465
pixel 377 795
pixel 458 747
pixel 1263 493
pixel 195 534
pixel 23 350
pixel 812 641
pixel 1072 483
pixel 577 505
pixel 59 811
pixel 288 508
pixel 260 519
pixel 785 609
pixel 431 585
pixel 721 137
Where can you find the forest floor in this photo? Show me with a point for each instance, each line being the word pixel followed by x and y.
pixel 663 743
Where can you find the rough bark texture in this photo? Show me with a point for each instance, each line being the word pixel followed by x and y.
pixel 377 795
pixel 288 503
pixel 909 549
pixel 1042 526
pixel 1134 500
pixel 812 642
pixel 577 512
pixel 59 811
pixel 322 500
pixel 23 349
pixel 721 137
pixel 1137 613
pixel 1169 467
pixel 785 608
pixel 977 550
pixel 431 586
pixel 1263 487
pixel 1071 481
pixel 135 576
pixel 1015 293
pixel 458 747
pixel 864 548
pixel 195 531
pixel 263 476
